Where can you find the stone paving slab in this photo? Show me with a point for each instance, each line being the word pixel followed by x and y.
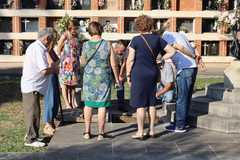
pixel 196 144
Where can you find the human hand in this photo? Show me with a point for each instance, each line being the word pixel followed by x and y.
pixel 129 81
pixel 117 84
pixel 56 71
pixel 202 65
pixel 122 79
pixel 198 58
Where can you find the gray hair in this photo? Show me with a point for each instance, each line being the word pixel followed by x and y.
pixel 43 32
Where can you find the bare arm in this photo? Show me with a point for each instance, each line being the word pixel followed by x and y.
pixel 201 64
pixel 122 70
pixel 114 64
pixel 184 50
pixel 165 89
pixel 170 52
pixel 49 71
pixel 130 61
pixel 82 57
pixel 61 43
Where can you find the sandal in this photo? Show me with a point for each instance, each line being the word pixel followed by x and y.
pixel 105 137
pixel 140 137
pixel 86 137
pixel 68 107
pixel 149 134
pixel 49 130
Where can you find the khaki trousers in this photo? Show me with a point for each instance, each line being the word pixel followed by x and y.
pixel 31 108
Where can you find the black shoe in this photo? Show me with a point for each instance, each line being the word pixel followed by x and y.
pixel 123 109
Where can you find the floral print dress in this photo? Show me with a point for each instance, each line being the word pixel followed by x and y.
pixel 97 75
pixel 69 73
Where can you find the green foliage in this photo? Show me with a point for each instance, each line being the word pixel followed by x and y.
pixel 62 24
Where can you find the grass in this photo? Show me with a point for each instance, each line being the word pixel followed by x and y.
pixel 12 128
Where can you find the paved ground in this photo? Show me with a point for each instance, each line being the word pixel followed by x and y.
pixel 196 144
pixel 14 70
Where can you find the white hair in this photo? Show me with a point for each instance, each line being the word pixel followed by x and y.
pixel 43 32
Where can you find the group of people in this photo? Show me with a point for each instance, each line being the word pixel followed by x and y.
pixel 102 61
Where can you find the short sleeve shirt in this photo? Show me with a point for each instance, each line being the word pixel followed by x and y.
pixel 167 75
pixel 34 62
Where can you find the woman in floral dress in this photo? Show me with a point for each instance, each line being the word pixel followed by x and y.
pixel 69 50
pixel 96 78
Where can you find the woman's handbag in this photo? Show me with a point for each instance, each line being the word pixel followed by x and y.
pixel 159 74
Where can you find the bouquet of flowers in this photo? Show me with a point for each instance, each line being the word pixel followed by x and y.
pixel 61 3
pixel 21 45
pixel 9 3
pixel 9 45
pixel 167 4
pixel 101 3
pixel 108 27
pixel 224 18
pixel 183 28
pixel 87 22
pixel 166 25
pixel 74 3
pixel 194 44
pixel 218 1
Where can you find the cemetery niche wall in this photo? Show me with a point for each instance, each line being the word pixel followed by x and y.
pixel 83 26
pixel 158 23
pixel 26 43
pixel 207 25
pixel 29 25
pixel 28 4
pixel 210 5
pixel 210 48
pixel 6 47
pixel 5 24
pixel 2 2
pixel 53 4
pixel 53 22
pixel 185 25
pixel 129 26
pixel 157 4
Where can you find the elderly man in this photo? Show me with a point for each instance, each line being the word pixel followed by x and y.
pixel 34 81
pixel 186 62
pixel 121 57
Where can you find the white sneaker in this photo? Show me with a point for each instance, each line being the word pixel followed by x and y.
pixel 35 144
pixel 40 139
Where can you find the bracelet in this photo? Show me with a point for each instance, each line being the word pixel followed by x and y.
pixel 121 75
pixel 195 56
pixel 128 75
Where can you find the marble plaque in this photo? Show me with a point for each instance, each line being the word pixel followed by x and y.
pixel 53 22
pixel 86 4
pixel 29 24
pixel 188 23
pixel 210 48
pixel 53 4
pixel 111 4
pixel 210 5
pixel 27 4
pixel 5 24
pixel 207 25
pixel 3 48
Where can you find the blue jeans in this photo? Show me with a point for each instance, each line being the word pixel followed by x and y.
pixel 166 97
pixel 51 100
pixel 185 84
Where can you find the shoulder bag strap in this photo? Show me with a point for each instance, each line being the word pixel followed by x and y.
pixel 148 47
pixel 93 54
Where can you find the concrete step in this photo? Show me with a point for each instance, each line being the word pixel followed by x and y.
pixel 219 92
pixel 215 107
pixel 213 122
pixel 207 121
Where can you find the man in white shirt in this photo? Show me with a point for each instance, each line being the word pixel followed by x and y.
pixel 121 55
pixel 34 81
pixel 185 62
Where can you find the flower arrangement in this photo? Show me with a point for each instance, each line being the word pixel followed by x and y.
pixel 218 1
pixel 21 45
pixel 9 3
pixel 9 45
pixel 166 25
pixel 167 4
pixel 101 3
pixel 74 3
pixel 183 28
pixel 61 3
pixel 225 18
pixel 108 27
pixel 139 5
pixel 194 44
pixel 87 22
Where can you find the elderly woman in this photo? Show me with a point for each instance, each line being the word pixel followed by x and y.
pixel 99 57
pixel 142 72
pixel 69 75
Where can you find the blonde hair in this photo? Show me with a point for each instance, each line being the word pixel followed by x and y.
pixel 52 44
